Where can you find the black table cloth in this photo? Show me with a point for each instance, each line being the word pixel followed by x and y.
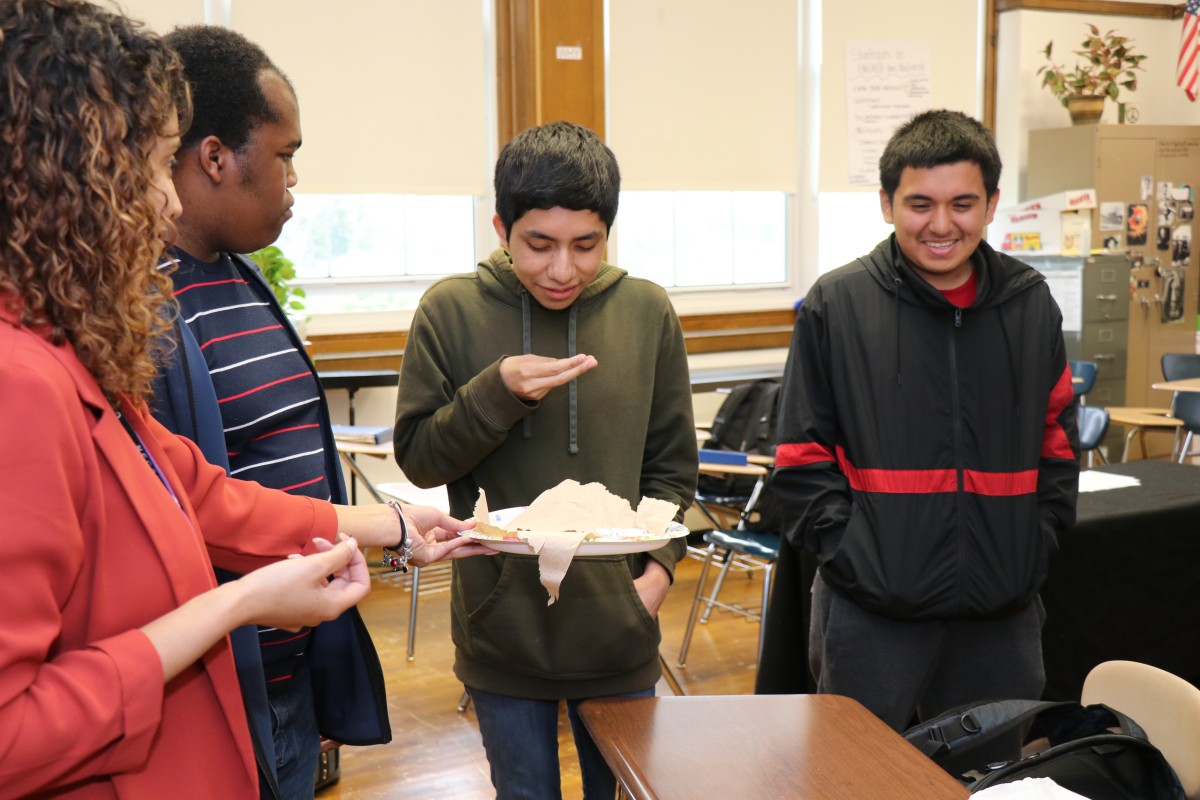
pixel 1124 584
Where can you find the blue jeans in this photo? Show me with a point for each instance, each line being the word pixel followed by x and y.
pixel 521 740
pixel 297 741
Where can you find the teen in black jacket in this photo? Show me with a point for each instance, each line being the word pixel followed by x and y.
pixel 928 452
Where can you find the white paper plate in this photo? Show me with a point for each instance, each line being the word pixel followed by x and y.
pixel 606 542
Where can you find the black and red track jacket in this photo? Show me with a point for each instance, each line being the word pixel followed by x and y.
pixel 928 455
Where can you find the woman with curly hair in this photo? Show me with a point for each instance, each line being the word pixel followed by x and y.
pixel 116 678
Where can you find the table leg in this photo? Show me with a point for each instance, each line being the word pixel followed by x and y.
pixel 356 470
pixel 1129 434
pixel 354 464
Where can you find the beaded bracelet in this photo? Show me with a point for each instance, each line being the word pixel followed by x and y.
pixel 397 555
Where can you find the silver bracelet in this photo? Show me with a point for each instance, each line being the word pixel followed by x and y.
pixel 397 555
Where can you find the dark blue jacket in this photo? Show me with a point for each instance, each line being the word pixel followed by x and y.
pixel 346 675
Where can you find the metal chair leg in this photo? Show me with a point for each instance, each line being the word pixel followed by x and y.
pixel 464 702
pixel 691 623
pixel 412 612
pixel 716 592
pixel 766 598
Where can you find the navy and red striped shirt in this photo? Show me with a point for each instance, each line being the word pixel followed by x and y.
pixel 269 398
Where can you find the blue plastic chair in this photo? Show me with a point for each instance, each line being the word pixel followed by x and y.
pixel 1086 372
pixel 1179 367
pixel 1093 427
pixel 760 549
pixel 1186 408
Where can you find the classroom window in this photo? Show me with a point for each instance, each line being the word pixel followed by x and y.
pixel 381 250
pixel 703 239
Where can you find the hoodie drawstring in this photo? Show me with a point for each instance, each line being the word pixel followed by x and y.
pixel 572 387
pixel 526 349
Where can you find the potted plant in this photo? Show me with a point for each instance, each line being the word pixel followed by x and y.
pixel 279 272
pixel 1108 65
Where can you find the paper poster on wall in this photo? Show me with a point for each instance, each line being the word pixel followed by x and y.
pixel 1076 234
pixel 1173 284
pixel 1162 241
pixel 1067 291
pixel 1147 187
pixel 887 82
pixel 1112 216
pixel 1181 246
pixel 1137 224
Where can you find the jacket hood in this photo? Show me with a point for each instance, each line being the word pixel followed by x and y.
pixel 999 276
pixel 500 280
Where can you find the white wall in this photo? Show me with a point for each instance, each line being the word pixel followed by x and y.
pixel 1023 105
pixel 850 222
pixel 950 27
pixel 163 15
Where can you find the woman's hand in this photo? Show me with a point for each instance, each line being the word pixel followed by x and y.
pixel 307 590
pixel 434 536
pixel 289 594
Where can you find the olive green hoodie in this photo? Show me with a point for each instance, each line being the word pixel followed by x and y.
pixel 626 424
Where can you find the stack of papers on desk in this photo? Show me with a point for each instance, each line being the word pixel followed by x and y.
pixel 363 434
pixel 1028 789
pixel 1091 480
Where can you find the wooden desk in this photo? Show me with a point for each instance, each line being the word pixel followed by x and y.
pixel 348 451
pixel 1185 385
pixel 1137 421
pixel 818 747
pixel 352 380
pixel 756 470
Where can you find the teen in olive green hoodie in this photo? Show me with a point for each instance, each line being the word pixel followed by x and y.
pixel 544 364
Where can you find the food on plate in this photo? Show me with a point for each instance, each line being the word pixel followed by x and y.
pixel 560 519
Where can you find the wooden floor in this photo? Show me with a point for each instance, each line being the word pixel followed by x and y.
pixel 436 751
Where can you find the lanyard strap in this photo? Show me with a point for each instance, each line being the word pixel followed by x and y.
pixel 137 441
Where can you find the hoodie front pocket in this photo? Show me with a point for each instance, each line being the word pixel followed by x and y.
pixel 599 626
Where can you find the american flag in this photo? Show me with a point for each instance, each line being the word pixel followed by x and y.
pixel 1187 71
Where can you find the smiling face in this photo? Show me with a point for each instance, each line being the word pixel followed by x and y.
pixel 555 252
pixel 939 214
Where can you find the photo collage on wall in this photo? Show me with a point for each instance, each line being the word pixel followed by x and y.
pixel 1169 232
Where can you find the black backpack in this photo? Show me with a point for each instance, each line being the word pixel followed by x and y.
pixel 744 423
pixel 1091 750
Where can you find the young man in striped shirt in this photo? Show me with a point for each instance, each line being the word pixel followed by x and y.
pixel 234 176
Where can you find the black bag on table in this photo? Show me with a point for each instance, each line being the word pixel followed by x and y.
pixel 744 423
pixel 1091 750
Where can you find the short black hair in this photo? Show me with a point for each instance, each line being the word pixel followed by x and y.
pixel 559 164
pixel 937 137
pixel 223 68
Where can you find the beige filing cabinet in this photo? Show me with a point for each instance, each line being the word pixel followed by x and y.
pixel 1093 295
pixel 1149 172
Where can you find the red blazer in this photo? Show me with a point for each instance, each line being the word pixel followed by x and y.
pixel 94 547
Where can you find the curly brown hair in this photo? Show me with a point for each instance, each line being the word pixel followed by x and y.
pixel 87 93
